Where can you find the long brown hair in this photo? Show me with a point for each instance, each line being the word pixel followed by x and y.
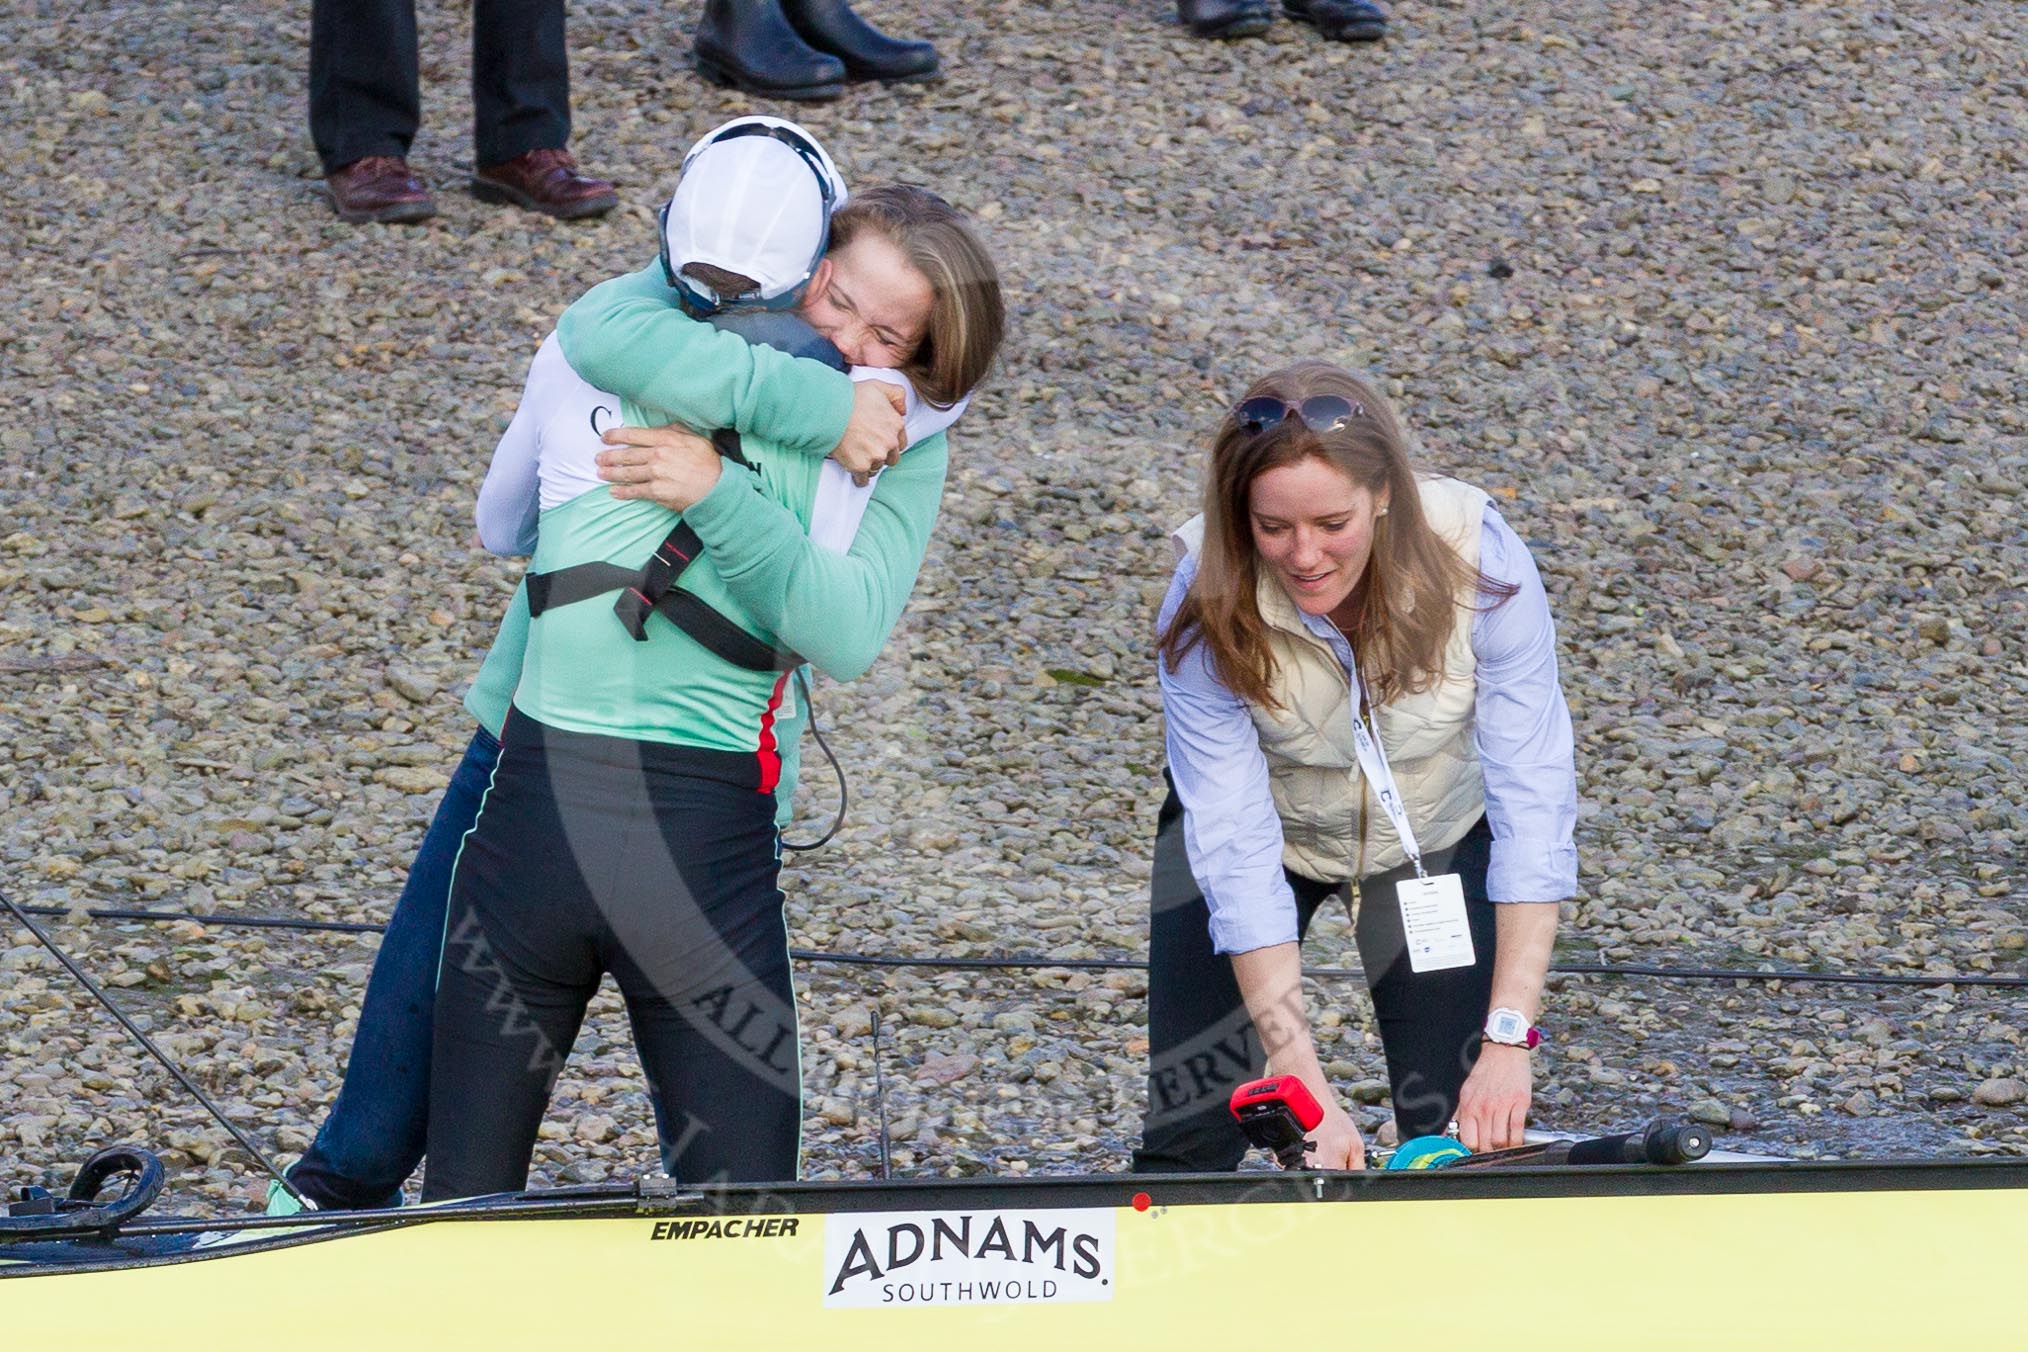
pixel 1407 601
pixel 967 317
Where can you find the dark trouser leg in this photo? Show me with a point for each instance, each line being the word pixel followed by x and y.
pixel 699 944
pixel 373 1137
pixel 520 79
pixel 1430 1021
pixel 1201 1042
pixel 363 98
pixel 520 964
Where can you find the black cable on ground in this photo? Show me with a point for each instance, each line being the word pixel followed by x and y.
pixel 230 921
pixel 1024 963
pixel 210 1105
pixel 1841 978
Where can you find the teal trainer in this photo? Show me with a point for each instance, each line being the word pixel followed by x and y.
pixel 282 1202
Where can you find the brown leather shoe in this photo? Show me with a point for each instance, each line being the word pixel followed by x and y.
pixel 378 188
pixel 546 181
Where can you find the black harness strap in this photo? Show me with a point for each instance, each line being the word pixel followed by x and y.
pixel 727 443
pixel 567 586
pixel 651 589
pixel 640 589
pixel 721 636
pixel 657 577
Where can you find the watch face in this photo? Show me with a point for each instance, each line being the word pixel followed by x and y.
pixel 1506 1026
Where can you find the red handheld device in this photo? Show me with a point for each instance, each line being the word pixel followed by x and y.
pixel 1276 1114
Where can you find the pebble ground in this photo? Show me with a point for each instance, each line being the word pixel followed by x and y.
pixel 1723 301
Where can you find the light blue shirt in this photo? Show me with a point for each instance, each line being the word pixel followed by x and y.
pixel 1521 730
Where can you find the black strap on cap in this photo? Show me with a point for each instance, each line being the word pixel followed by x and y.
pixel 699 304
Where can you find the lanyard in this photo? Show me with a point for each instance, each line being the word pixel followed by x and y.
pixel 1373 764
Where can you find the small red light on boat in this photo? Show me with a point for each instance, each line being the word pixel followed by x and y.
pixel 1142 1201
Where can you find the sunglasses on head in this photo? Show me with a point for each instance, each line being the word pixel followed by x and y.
pixel 1319 413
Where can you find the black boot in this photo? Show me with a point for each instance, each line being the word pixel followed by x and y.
pixel 749 45
pixel 868 54
pixel 1225 18
pixel 1341 20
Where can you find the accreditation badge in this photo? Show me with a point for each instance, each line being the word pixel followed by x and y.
pixel 1434 923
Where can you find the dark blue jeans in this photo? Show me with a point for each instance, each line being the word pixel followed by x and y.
pixel 373 1139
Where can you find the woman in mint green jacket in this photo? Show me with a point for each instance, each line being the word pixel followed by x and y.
pixel 631 823
pixel 374 1135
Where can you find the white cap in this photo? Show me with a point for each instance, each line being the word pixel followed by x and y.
pixel 753 204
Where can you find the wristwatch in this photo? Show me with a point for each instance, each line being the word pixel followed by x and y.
pixel 1510 1028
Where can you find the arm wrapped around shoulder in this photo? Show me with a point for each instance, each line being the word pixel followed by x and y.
pixel 628 336
pixel 835 609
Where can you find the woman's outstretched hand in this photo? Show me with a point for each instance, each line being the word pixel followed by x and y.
pixel 877 434
pixel 1335 1144
pixel 1271 982
pixel 671 466
pixel 1493 1105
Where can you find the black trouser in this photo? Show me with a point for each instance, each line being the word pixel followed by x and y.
pixel 658 864
pixel 1202 1045
pixel 363 79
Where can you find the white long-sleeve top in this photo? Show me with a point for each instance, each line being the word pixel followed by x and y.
pixel 549 455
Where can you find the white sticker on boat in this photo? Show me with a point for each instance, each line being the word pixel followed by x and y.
pixel 894 1258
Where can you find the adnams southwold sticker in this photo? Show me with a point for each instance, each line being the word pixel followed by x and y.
pixel 895 1258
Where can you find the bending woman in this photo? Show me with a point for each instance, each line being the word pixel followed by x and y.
pixel 1358 673
pixel 632 822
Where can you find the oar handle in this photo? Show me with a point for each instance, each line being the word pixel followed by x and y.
pixel 1666 1140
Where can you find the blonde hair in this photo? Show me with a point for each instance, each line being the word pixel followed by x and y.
pixel 967 317
pixel 1400 643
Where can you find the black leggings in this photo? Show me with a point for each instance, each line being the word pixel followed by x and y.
pixel 658 864
pixel 1202 1044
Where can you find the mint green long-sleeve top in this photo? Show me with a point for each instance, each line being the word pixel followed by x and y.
pixel 581 670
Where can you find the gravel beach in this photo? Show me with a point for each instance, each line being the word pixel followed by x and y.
pixel 1723 302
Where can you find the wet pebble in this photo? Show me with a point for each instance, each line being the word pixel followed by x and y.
pixel 2000 1093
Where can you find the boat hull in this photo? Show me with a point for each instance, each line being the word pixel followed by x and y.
pixel 1797 1255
